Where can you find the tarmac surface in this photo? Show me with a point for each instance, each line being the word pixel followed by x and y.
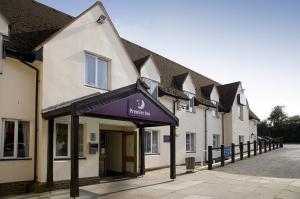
pixel 274 175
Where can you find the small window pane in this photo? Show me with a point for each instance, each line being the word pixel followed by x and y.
pixel 188 142
pixel 147 141
pixel 9 136
pixel 23 139
pixel 61 139
pixel 153 87
pixel 102 73
pixel 90 70
pixel 192 142
pixel 154 142
pixel 81 141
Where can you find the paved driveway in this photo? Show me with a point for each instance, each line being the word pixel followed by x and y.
pixel 280 163
pixel 223 183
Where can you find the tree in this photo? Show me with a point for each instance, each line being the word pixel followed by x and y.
pixel 277 116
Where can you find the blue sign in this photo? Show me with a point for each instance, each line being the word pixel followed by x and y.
pixel 227 151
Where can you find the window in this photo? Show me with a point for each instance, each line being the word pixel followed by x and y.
pixel 190 105
pixel 96 72
pixel 241 138
pixel 190 142
pixel 62 140
pixel 153 87
pixel 241 112
pixel 215 111
pixel 216 140
pixel 151 141
pixel 15 139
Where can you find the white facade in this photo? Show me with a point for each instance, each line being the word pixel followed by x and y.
pixel 62 78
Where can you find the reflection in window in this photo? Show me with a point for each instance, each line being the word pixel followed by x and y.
pixel 151 141
pixel 62 140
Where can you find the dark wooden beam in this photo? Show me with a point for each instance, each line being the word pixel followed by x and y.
pixel 172 152
pixel 142 150
pixel 50 154
pixel 74 184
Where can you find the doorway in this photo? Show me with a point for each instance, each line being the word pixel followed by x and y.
pixel 117 154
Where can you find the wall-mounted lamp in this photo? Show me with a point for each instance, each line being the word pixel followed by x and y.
pixel 101 19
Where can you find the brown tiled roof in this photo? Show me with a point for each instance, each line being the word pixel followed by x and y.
pixel 206 90
pixel 227 94
pixel 31 23
pixel 252 115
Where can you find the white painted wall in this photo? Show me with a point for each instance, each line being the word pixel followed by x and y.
pixel 188 85
pixel 17 84
pixel 253 128
pixel 64 58
pixel 3 26
pixel 150 71
pixel 215 95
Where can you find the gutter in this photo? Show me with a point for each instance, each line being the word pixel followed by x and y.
pixel 205 132
pixel 35 114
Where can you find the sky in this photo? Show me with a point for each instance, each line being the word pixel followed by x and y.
pixel 256 42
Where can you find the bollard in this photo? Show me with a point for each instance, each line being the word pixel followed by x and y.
pixel 222 155
pixel 260 147
pixel 254 147
pixel 210 158
pixel 273 144
pixel 265 145
pixel 270 145
pixel 277 143
pixel 241 150
pixel 232 152
pixel 248 149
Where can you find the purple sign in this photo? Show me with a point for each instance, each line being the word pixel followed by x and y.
pixel 138 107
pixel 134 106
pixel 167 138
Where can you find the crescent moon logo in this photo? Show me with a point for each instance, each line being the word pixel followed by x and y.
pixel 141 104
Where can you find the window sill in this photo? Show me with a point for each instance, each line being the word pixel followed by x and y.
pixel 190 151
pixel 95 87
pixel 14 159
pixel 62 159
pixel 152 153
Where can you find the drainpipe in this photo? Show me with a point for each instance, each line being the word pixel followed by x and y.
pixel 223 133
pixel 35 113
pixel 205 130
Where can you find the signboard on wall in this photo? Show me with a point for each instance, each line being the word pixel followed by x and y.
pixel 242 100
pixel 139 107
pixel 166 138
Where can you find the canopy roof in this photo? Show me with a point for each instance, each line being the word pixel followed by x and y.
pixel 130 103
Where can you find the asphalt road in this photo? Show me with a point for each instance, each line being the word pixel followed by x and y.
pixel 280 163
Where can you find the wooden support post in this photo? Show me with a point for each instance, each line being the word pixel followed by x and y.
pixel 265 145
pixel 260 147
pixel 74 183
pixel 248 149
pixel 232 152
pixel 50 154
pixel 270 145
pixel 277 143
pixel 273 141
pixel 241 150
pixel 222 155
pixel 210 160
pixel 255 147
pixel 173 152
pixel 142 150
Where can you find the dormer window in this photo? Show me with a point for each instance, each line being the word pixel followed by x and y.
pixel 191 104
pixel 215 111
pixel 153 87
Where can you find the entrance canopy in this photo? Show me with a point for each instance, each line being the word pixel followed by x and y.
pixel 130 103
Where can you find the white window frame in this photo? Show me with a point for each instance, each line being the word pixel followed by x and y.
pixel 218 136
pixel 241 112
pixel 158 142
pixel 148 79
pixel 95 56
pixel 194 142
pixel 215 111
pixel 241 136
pixel 69 140
pixel 191 96
pixel 16 123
